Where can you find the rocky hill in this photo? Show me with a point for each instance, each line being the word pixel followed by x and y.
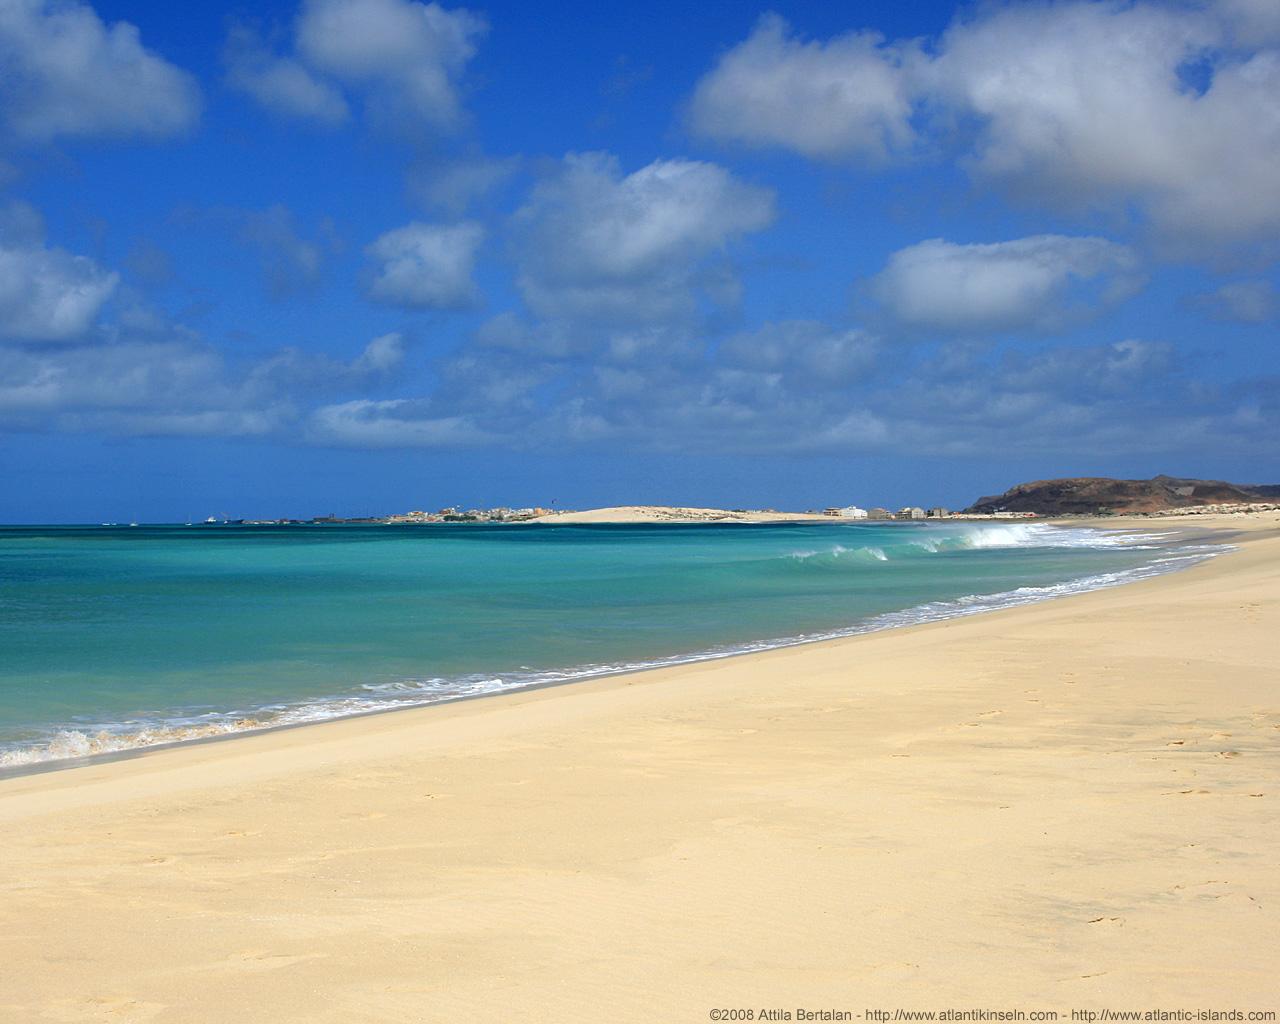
pixel 1090 495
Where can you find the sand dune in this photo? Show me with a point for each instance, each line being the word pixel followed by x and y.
pixel 1068 805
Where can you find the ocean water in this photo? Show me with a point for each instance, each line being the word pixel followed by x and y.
pixel 117 638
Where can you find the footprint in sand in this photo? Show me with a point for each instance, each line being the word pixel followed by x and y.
pixel 101 1008
pixel 1186 890
pixel 263 960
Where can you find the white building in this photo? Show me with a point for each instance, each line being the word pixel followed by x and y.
pixel 846 512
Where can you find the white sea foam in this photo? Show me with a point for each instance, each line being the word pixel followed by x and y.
pixel 932 539
pixel 837 551
pixel 68 744
pixel 1043 535
pixel 114 738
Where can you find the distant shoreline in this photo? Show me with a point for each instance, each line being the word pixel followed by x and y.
pixel 621 515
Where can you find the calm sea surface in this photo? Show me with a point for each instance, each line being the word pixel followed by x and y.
pixel 112 638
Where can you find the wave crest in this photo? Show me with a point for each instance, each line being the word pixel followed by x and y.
pixel 979 537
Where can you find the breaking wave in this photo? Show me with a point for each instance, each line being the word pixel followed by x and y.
pixel 972 537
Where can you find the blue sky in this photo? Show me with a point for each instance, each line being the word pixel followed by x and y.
pixel 358 256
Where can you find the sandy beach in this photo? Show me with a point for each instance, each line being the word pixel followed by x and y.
pixel 1070 805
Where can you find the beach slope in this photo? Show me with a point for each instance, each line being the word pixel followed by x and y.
pixel 1069 805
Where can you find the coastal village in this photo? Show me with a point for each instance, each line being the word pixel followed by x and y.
pixel 909 512
pixel 639 513
pixel 509 515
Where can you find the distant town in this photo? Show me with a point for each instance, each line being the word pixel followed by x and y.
pixel 503 514
pixel 444 515
pixel 916 512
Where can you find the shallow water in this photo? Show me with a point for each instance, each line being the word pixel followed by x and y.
pixel 115 638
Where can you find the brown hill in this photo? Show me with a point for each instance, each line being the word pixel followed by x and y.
pixel 1090 495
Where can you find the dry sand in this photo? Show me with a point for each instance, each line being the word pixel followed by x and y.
pixel 1069 805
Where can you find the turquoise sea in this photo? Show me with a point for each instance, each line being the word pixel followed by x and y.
pixel 113 638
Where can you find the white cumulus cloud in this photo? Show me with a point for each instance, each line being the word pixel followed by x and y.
pixel 46 294
pixel 1085 103
pixel 845 97
pixel 66 74
pixel 426 266
pixel 1167 107
pixel 382 355
pixel 596 242
pixel 1043 282
pixel 282 84
pixel 404 58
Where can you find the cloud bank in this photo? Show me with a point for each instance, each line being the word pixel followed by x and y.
pixel 1070 105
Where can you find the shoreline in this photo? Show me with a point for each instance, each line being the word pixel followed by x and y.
pixel 1065 804
pixel 582 674
pixel 624 677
